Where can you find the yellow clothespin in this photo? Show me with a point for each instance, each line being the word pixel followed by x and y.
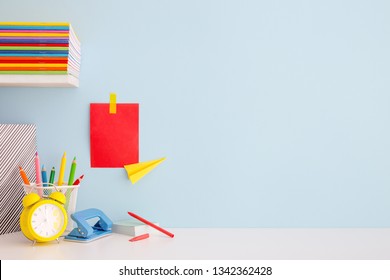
pixel 112 103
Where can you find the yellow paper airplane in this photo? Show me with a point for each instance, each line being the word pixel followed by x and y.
pixel 138 170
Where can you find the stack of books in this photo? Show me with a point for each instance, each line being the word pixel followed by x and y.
pixel 39 54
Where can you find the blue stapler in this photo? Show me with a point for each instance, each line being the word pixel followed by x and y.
pixel 85 232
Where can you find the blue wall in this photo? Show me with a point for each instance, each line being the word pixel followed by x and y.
pixel 270 113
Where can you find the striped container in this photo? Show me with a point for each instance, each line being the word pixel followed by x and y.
pixel 17 148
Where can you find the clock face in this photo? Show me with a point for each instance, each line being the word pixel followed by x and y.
pixel 47 220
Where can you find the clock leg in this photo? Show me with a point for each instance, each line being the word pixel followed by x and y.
pixel 33 244
pixel 58 241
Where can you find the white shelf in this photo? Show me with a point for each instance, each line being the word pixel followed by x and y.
pixel 38 81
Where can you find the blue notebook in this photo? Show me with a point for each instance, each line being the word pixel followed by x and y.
pixel 33 27
pixel 34 41
pixel 33 52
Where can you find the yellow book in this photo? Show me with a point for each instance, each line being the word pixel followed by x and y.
pixel 43 34
pixel 36 23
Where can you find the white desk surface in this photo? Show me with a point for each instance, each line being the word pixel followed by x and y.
pixel 213 244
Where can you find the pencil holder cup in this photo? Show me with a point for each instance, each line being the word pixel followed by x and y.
pixel 70 193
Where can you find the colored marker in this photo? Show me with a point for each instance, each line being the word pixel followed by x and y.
pixel 44 176
pixel 38 178
pixel 52 175
pixel 139 237
pixel 24 176
pixel 151 224
pixel 62 170
pixel 78 181
pixel 72 171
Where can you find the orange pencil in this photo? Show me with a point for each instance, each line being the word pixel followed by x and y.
pixel 24 176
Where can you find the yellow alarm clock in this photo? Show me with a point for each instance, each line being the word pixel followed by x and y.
pixel 43 219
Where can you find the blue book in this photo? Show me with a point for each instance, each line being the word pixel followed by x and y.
pixel 32 52
pixel 34 41
pixel 33 27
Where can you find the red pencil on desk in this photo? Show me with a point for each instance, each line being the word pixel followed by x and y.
pixel 139 237
pixel 151 224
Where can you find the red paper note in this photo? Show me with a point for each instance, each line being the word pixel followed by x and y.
pixel 114 137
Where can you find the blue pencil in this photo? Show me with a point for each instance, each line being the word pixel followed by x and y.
pixel 44 176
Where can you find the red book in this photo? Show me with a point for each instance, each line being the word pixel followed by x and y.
pixel 35 58
pixel 27 60
pixel 33 68
pixel 32 45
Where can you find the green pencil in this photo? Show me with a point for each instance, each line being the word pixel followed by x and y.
pixel 52 175
pixel 72 171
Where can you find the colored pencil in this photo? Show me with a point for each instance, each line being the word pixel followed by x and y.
pixel 78 181
pixel 62 170
pixel 44 176
pixel 139 237
pixel 24 176
pixel 151 224
pixel 38 178
pixel 72 171
pixel 52 176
